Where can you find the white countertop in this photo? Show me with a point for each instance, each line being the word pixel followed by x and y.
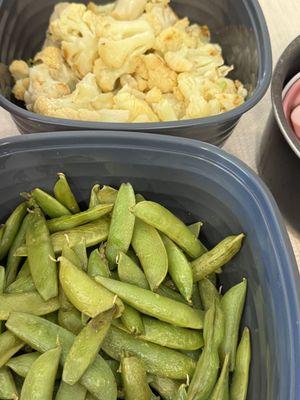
pixel 256 139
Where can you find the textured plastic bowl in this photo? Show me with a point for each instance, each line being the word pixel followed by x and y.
pixel 287 67
pixel 239 27
pixel 197 181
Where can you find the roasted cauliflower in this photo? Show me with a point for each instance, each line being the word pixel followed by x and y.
pixel 126 61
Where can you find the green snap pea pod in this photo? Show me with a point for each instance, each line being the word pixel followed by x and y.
pixel 208 293
pixel 12 226
pixel 232 304
pixel 214 259
pixel 132 320
pixel 151 252
pixel 194 354
pixel 52 317
pixel 49 204
pixel 181 394
pixel 24 271
pixel 41 259
pixel 92 233
pixel 134 379
pixel 71 392
pixel 239 384
pixel 162 219
pixel 9 345
pixel 96 265
pixel 153 304
pixel 171 336
pixel 179 269
pixel 39 382
pixel 2 286
pixel 80 250
pixel 107 195
pixel 72 256
pixel 206 372
pixel 84 217
pixel 115 367
pixel 94 196
pixel 22 364
pixel 43 335
pixel 21 285
pixel 84 293
pixel 196 300
pixel 196 228
pixel 164 290
pixel 30 302
pixel 129 272
pixel 220 391
pixel 13 261
pixel 158 360
pixel 167 388
pixel 64 194
pixel 8 388
pixel 122 224
pixel 70 320
pixel 86 346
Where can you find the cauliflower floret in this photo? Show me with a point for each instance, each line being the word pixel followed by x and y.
pixel 101 9
pixel 154 70
pixel 129 9
pixel 200 32
pixel 177 60
pixel 154 95
pixel 19 69
pixel 168 108
pixel 137 107
pixel 75 30
pixel 160 15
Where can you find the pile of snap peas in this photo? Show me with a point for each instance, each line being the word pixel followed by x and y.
pixel 118 301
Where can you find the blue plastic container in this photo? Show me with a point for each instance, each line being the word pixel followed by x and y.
pixel 198 182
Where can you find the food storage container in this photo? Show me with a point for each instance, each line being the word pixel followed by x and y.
pixel 198 182
pixel 238 26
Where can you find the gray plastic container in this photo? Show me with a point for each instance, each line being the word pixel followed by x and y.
pixel 198 182
pixel 238 25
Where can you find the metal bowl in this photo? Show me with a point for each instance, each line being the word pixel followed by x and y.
pixel 287 67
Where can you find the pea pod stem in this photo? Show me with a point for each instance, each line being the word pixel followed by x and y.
pixel 64 195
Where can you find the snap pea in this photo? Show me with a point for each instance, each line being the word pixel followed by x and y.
pixel 196 300
pixel 13 261
pixel 194 354
pixel 8 388
pixel 151 252
pixel 164 290
pixel 220 391
pixel 84 293
pixel 93 196
pixel 181 394
pixel 96 265
pixel 239 384
pixel 9 345
pixel 22 364
pixel 153 304
pixel 70 320
pixel 86 346
pixel 195 228
pixel 39 382
pixel 92 233
pixel 129 272
pixel 206 372
pixel 179 269
pixel 131 254
pixel 80 250
pixel 41 259
pixel 132 320
pixel 171 336
pixel 232 304
pixel 24 271
pixel 114 366
pixel 72 256
pixel 162 219
pixel 158 360
pixel 2 286
pixel 64 194
pixel 49 204
pixel 71 392
pixel 107 195
pixel 214 259
pixel 72 221
pixel 43 335
pixel 167 388
pixel 30 302
pixel 21 285
pixel 208 293
pixel 134 379
pixel 122 224
pixel 12 226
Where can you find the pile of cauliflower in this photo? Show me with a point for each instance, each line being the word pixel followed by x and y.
pixel 129 61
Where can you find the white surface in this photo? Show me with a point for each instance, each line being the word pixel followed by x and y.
pixel 256 139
